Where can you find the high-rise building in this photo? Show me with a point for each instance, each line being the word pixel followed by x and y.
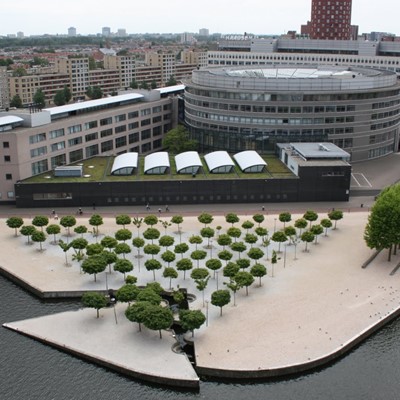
pixel 331 19
pixel 106 31
pixel 204 32
pixel 72 31
pixel 4 93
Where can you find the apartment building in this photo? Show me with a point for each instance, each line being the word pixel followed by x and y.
pixel 166 61
pixel 125 65
pixel 4 93
pixel 78 71
pixel 36 142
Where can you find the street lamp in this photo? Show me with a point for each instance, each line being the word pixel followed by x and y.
pixel 206 312
pixel 216 274
pixel 274 225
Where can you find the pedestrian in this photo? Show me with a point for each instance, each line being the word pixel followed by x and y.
pixel 263 208
pixel 94 206
pixel 159 210
pixel 148 207
pixel 166 208
pixel 53 213
pixel 80 212
pixel 56 217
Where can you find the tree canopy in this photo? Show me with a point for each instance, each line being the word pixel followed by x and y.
pixel 177 140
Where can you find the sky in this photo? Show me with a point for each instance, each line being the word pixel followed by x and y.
pixel 177 16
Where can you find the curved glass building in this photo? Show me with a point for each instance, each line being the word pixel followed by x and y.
pixel 237 109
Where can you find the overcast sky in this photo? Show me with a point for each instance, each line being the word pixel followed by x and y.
pixel 136 16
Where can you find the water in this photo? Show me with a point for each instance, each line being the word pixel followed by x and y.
pixel 31 370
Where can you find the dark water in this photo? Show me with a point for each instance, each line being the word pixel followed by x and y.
pixel 30 370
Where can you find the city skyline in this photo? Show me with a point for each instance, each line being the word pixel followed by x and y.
pixel 40 17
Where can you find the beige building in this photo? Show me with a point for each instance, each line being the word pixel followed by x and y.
pixel 197 58
pixel 4 93
pixel 78 71
pixel 166 61
pixel 36 142
pixel 125 65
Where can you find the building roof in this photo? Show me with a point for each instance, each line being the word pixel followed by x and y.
pixel 126 160
pixel 324 150
pixel 187 159
pixel 156 160
pixel 10 119
pixel 171 89
pixel 249 158
pixel 93 103
pixel 218 159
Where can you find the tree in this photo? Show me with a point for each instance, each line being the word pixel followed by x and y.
pixel 94 92
pixel 177 220
pixel 171 81
pixel 138 242
pixel 279 237
pixel 153 85
pixel 201 277
pixel 255 253
pixel 259 218
pixel 214 264
pixel 108 242
pixel 234 287
pixel 134 84
pixel 239 247
pixel 191 319
pixel 110 257
pixel 40 221
pixel 168 256
pixel 137 312
pixel 158 318
pixel 181 248
pixel 96 220
pixel 123 220
pixel 166 241
pixel 19 71
pixel 205 219
pixel 307 237
pixel 326 224
pixel 244 279
pixel 310 216
pixel 127 293
pixel 185 264
pixel 64 247
pixel 230 270
pixel 144 85
pixel 78 245
pixel 122 248
pixel 123 234
pixel 54 230
pixel 67 222
pixel 243 263
pixel 38 237
pixel 224 240
pixel 231 218
pixel 170 273
pixel 300 224
pixel 67 94
pixel 285 217
pixel 153 265
pixel 250 238
pixel 225 255
pixel 130 280
pixel 151 249
pixel 274 260
pixel 198 255
pixel 290 232
pixel 151 234
pixel 123 266
pixel 81 229
pixel 39 99
pixel 335 215
pixel 15 223
pixel 150 220
pixel 94 248
pixel 59 98
pixel 207 233
pixel 234 232
pixel 138 223
pixel 258 271
pixel 220 298
pixel 16 102
pixel 247 225
pixel 94 300
pixel 195 239
pixel 317 230
pixel 93 265
pixel 165 225
pixel 149 295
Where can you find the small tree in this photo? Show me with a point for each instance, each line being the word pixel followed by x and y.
pixel 151 249
pixel 205 219
pixel 225 255
pixel 110 257
pixel 94 248
pixel 68 221
pixel 230 270
pixel 185 264
pixel 258 271
pixel 326 224
pixel 109 242
pixel 93 265
pixel 149 295
pixel 244 279
pixel 239 247
pixel 16 102
pixel 335 215
pixel 39 98
pixel 122 248
pixel 123 234
pixel 247 225
pixel 214 264
pixel 137 312
pixel 234 232
pixel 138 223
pixel 290 232
pixel 153 265
pixel 138 243
pixel 158 318
pixel 195 239
pixel 168 257
pixel 64 247
pixel 259 218
pixel 151 234
pixel 80 230
pixel 170 273
pixel 224 240
pixel 39 237
pixel 54 230
pixel 243 263
pixel 310 216
pixel 317 230
pixel 123 266
pixel 234 287
pixel 166 241
pixel 279 237
pixel 127 293
pixel 231 218
pixel 96 220
pixel 177 220
pixel 207 233
pixel 150 220
pixel 198 255
pixel 262 232
pixel 285 217
pixel 40 221
pixel 300 224
pixel 15 223
pixel 250 238
pixel 191 319
pixel 220 298
pixel 181 249
pixel 123 220
pixel 255 254
pixel 94 300
pixel 307 237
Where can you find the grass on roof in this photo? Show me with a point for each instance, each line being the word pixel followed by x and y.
pixel 98 169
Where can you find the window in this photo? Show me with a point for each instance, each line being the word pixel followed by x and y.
pixel 157 144
pixel 58 146
pixel 146 134
pixel 157 119
pixel 106 132
pixel 10 195
pixel 9 177
pixel 39 167
pixel 6 145
pixel 119 118
pixel 58 160
pixel 75 155
pixel 91 136
pixel 119 129
pixel 133 125
pixel 157 131
pixel 133 114
pixel 74 129
pixel 146 147
pixel 145 122
pixel 40 137
pixel 120 142
pixel 7 158
pixel 39 151
pixel 106 121
pixel 107 146
pixel 133 137
pixel 90 125
pixel 146 111
pixel 157 109
pixel 92 150
pixel 56 133
pixel 75 141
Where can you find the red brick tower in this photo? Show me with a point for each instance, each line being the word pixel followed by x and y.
pixel 331 19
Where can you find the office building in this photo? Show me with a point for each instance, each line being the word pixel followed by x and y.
pixel 71 31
